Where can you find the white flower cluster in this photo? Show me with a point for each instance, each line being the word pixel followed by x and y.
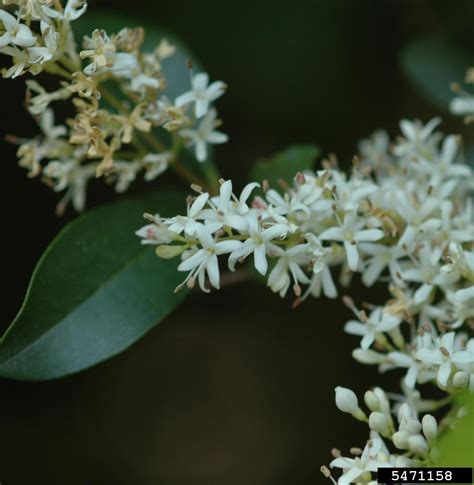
pixel 33 50
pixel 412 439
pixel 118 92
pixel 403 217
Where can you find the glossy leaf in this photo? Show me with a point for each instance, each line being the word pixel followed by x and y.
pixel 95 291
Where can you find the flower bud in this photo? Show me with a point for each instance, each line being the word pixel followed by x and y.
pixel 167 252
pixel 367 356
pixel 430 427
pixel 347 402
pixel 372 401
pixel 405 411
pixel 400 439
pixel 378 422
pixel 461 379
pixel 383 399
pixel 418 444
pixel 412 425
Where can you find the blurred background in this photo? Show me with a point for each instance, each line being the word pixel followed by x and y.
pixel 241 391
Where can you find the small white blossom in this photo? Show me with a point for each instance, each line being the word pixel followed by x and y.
pixel 16 33
pixel 204 260
pixel 72 11
pixel 202 94
pixel 350 233
pixel 204 134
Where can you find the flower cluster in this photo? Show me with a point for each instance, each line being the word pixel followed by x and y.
pixel 403 217
pixel 411 438
pixel 118 91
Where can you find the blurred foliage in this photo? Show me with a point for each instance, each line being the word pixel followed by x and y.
pixel 432 64
pixel 456 446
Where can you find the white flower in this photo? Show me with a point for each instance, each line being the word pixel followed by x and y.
pixel 141 82
pixel 359 469
pixel 125 173
pixel 189 223
pixel 204 260
pixel 223 211
pixel 350 233
pixel 287 268
pixel 156 233
pixel 204 134
pixel 349 193
pixel 72 11
pixel 15 32
pixel 321 282
pixel 44 54
pixel 70 174
pixel 155 164
pixel 102 50
pixel 417 137
pixel 444 357
pixel 20 61
pixel 375 150
pixel 381 256
pixel 426 271
pixel 257 243
pixel 378 322
pixel 201 94
pixel 467 365
pixel 43 99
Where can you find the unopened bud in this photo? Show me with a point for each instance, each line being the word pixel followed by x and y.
pixel 367 356
pixel 404 411
pixel 418 444
pixel 347 402
pixel 400 439
pixel 430 427
pixel 372 401
pixel 412 425
pixel 461 379
pixel 300 178
pixel 383 399
pixel 165 251
pixel 378 422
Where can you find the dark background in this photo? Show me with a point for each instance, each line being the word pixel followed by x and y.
pixel 241 391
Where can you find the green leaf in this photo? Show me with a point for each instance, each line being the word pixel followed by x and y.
pixel 174 68
pixel 95 291
pixel 432 64
pixel 456 446
pixel 284 165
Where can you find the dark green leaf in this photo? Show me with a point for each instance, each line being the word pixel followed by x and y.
pixel 432 64
pixel 95 291
pixel 284 165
